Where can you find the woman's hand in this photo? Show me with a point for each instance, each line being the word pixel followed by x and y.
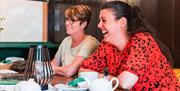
pixel 54 67
pixel 127 80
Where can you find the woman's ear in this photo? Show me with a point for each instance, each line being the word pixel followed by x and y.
pixel 123 22
pixel 84 24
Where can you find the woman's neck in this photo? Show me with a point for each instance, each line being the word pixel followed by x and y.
pixel 123 42
pixel 77 39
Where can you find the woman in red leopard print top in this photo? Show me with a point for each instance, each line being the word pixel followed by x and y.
pixel 131 52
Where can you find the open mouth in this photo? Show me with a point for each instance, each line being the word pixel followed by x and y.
pixel 104 32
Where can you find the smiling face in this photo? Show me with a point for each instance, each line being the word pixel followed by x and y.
pixel 108 24
pixel 73 27
pixel 77 18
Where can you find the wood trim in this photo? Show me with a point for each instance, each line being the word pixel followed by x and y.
pixel 44 22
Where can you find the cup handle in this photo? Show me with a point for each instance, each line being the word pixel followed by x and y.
pixel 117 83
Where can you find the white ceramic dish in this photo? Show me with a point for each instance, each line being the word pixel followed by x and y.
pixel 75 89
pixel 6 71
pixel 7 87
pixel 62 87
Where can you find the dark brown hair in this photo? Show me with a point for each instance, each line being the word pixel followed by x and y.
pixel 136 23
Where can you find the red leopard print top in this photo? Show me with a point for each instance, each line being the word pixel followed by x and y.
pixel 141 57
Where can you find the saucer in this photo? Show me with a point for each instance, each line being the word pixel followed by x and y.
pixel 63 87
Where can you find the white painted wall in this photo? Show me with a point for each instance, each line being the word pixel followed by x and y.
pixel 23 21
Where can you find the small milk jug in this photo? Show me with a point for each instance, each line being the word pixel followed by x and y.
pixel 102 84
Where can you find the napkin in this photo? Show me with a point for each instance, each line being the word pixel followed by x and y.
pixel 9 82
pixel 75 82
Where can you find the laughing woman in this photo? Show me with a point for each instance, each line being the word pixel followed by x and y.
pixel 131 51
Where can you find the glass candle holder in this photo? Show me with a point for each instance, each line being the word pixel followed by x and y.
pixel 39 66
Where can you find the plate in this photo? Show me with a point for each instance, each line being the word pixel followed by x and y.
pixel 75 89
pixel 63 87
pixel 6 71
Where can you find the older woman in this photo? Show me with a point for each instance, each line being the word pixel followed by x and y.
pixel 78 45
pixel 131 52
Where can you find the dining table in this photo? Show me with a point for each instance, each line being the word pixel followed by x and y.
pixel 58 79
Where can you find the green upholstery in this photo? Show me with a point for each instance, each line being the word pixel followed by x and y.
pixel 21 49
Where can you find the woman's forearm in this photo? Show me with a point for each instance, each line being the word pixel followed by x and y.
pixel 64 71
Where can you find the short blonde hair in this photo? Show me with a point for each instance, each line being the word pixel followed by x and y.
pixel 79 12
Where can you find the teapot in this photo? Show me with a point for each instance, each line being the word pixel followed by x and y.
pixel 29 85
pixel 102 84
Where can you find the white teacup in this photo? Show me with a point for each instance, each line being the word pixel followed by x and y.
pixel 90 76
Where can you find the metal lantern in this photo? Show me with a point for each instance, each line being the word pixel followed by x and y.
pixel 39 66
